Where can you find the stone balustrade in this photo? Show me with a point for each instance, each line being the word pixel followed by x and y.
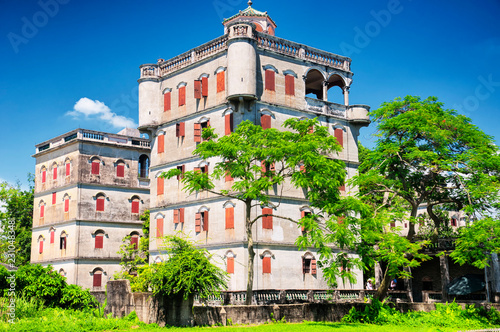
pixel 272 296
pixel 263 41
pixel 91 135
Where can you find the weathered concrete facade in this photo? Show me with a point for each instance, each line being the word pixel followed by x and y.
pixel 90 189
pixel 246 74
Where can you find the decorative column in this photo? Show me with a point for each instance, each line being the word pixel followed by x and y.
pixel 325 90
pixel 345 91
pixel 445 276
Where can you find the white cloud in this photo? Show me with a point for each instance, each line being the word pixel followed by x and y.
pixel 95 109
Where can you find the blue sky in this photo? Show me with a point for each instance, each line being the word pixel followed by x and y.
pixel 57 53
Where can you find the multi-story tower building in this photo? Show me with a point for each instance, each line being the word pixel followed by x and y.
pixel 90 189
pixel 246 74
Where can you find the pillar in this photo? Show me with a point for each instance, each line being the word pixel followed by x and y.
pixel 345 91
pixel 445 275
pixel 325 90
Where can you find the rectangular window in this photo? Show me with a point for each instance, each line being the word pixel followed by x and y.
pixel 54 173
pixel 266 264
pixel 221 81
pixel 97 280
pixel 95 167
pixel 265 121
pixel 52 237
pixel 44 176
pixel 230 265
pixel 302 215
pixel 228 124
pixel 120 170
pixel 453 222
pixel 166 101
pixel 290 85
pixel 197 132
pixel 181 168
pixel 267 221
pixel 159 186
pixel 100 204
pixel 161 143
pixel 182 96
pixel 306 265
pixel 62 243
pixel 197 89
pixel 339 135
pixel 53 198
pixel 230 218
pixel 99 241
pixel 204 86
pixel 180 130
pixel 68 169
pixel 270 80
pixel 159 227
pixel 135 206
pixel 66 205
pixel 42 211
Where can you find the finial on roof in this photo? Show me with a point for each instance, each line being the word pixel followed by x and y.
pixel 250 3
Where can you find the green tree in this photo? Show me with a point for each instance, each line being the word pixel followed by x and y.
pixel 16 215
pixel 430 156
pixel 259 160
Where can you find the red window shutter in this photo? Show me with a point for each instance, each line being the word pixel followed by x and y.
pixel 120 171
pixel 135 206
pixel 54 198
pixel 204 86
pixel 52 236
pixel 66 205
pixel 134 241
pixel 176 216
pixel 68 169
pixel 393 224
pixel 181 215
pixel 44 176
pixel 267 222
pixel 40 248
pixel 97 280
pixel 228 124
pixel 95 167
pixel 197 169
pixel 161 143
pixel 197 132
pixel 221 81
pixel 230 265
pixel 266 265
pixel 290 85
pixel 205 169
pixel 182 95
pixel 270 80
pixel 230 218
pixel 54 173
pixel 159 186
pixel 228 178
pixel 339 135
pixel 197 89
pixel 197 223
pixel 313 267
pixel 42 211
pixel 180 129
pixel 263 167
pixel 159 227
pixel 99 241
pixel 100 204
pixel 340 220
pixel 302 215
pixel 342 187
pixel 166 102
pixel 265 121
pixel 302 168
pixel 205 221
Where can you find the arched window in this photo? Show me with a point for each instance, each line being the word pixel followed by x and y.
pixel 198 128
pixel 62 241
pixel 167 98
pixel 43 174
pixel 96 162
pixel 54 171
pixel 66 203
pixel 290 77
pixel 134 240
pixel 99 239
pixel 68 167
pixel 97 277
pixel 120 169
pixel 266 261
pixel 42 209
pixel 230 256
pixel 62 273
pixel 309 264
pixel 201 220
pixel 314 84
pixel 143 166
pixel 40 244
pixel 99 206
pixel 221 79
pixel 52 235
pixel 135 202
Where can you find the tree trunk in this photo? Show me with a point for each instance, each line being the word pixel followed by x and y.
pixel 251 254
pixel 411 228
pixel 381 292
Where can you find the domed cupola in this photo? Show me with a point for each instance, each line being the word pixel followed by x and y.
pixel 262 21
